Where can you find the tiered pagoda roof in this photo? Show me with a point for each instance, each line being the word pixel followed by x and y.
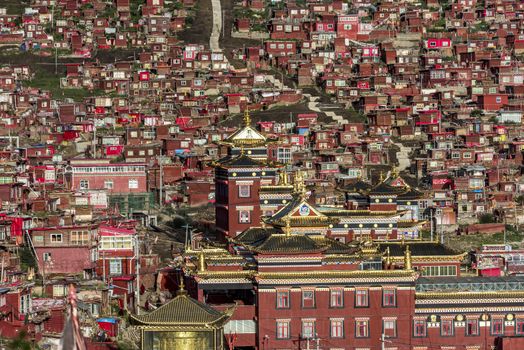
pixel 182 311
pixel 247 136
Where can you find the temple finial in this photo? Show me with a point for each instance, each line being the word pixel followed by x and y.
pixel 407 258
pixel 300 187
pixel 247 118
pixel 283 177
pixel 201 261
pixel 181 289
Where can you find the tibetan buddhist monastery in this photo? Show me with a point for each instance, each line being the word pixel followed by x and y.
pixel 183 324
pixel 239 177
pixel 293 291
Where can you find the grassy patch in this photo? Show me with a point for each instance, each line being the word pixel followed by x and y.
pixel 14 7
pixel 46 80
pixel 468 242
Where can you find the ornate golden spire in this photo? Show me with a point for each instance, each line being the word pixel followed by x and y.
pixel 282 177
pixel 247 118
pixel 299 186
pixel 181 290
pixel 407 258
pixel 388 258
pixel 394 172
pixel 201 261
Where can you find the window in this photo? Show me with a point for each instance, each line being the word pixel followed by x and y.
pixel 133 183
pixel 389 297
pixel 59 290
pixel 25 304
pixel 244 216
pixel 336 298
pixel 519 328
pixel 283 329
pixel 108 184
pixel 308 298
pixel 361 328
pixel 446 328
pixel 116 242
pixel 337 328
pixel 115 266
pixel 283 299
pixel 244 191
pixel 361 298
pixel 472 327
pixel 56 238
pixel 47 256
pixel 497 326
pixel 84 184
pixel 79 237
pixel 499 99
pixel 419 328
pixel 308 329
pixel 389 328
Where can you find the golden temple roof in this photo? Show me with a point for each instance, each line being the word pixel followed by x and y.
pixel 182 311
pixel 246 136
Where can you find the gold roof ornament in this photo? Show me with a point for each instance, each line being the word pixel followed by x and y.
pixel 201 261
pixel 394 172
pixel 300 187
pixel 247 117
pixel 407 259
pixel 282 177
pixel 181 290
pixel 388 258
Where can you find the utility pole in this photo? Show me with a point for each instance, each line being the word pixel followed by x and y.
pixel 161 184
pixel 431 224
pixel 137 262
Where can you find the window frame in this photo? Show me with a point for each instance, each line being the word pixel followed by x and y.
pixel 357 303
pixel 501 320
pixel 312 298
pixel 111 266
pixel 340 326
pixel 357 333
pixel 340 303
pixel 472 321
pixel 451 332
pixel 394 295
pixel 519 322
pixel 241 195
pixel 395 333
pixel 280 296
pixel 424 327
pixel 283 324
pixel 54 238
pixel 311 324
pixel 240 217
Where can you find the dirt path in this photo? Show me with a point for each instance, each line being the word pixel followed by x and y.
pixel 217 26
